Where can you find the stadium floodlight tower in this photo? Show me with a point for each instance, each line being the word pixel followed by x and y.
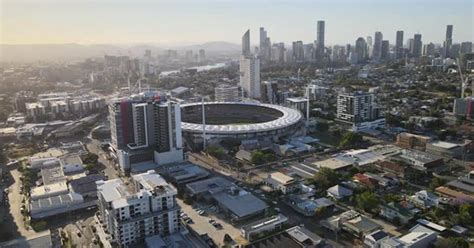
pixel 203 124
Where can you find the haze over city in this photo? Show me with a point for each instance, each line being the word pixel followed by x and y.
pixel 188 21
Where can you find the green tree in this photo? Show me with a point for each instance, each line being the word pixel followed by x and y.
pixel 452 242
pixel 466 213
pixel 326 178
pixel 436 182
pixel 39 226
pixel 257 157
pixel 90 158
pixel 216 152
pixel 322 126
pixel 367 201
pixel 350 139
pixel 392 120
pixel 89 167
pixel 3 157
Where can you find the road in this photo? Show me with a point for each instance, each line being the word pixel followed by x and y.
pixel 93 146
pixel 15 199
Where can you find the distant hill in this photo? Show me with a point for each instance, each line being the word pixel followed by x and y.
pixel 54 52
pixel 215 46
pixel 68 52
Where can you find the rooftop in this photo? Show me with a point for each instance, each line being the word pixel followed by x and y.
pixel 265 222
pixel 289 118
pixel 416 234
pixel 241 203
pixel 58 187
pixel 54 202
pixel 151 181
pixel 52 175
pixel 332 163
pixel 71 159
pixel 281 178
pixel 211 185
pixel 444 145
pixel 85 184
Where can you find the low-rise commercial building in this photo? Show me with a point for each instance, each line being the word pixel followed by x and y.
pixel 420 160
pixel 235 203
pixel 412 141
pixel 250 231
pixel 57 204
pixel 182 174
pixel 239 204
pixel 445 149
pixel 295 237
pixel 281 182
pixel 48 190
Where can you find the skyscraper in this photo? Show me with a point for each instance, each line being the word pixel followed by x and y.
pixel 448 41
pixel 370 46
pixel 429 49
pixel 399 45
pixel 466 47
pixel 249 69
pixel 145 128
pixel 360 50
pixel 410 44
pixel 250 76
pixel 417 46
pixel 202 55
pixel 278 52
pixel 246 43
pixel 385 50
pixel 320 40
pixel 265 48
pixel 369 41
pixel 263 37
pixel 377 52
pixel 298 51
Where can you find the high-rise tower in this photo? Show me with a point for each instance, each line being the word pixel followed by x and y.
pixel 320 40
pixel 246 43
pixel 399 45
pixel 448 41
pixel 377 52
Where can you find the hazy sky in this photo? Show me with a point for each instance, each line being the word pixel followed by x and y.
pixel 183 21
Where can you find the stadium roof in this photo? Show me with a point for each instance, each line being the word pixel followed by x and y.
pixel 290 117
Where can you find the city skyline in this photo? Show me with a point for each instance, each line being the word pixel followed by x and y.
pixel 104 22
